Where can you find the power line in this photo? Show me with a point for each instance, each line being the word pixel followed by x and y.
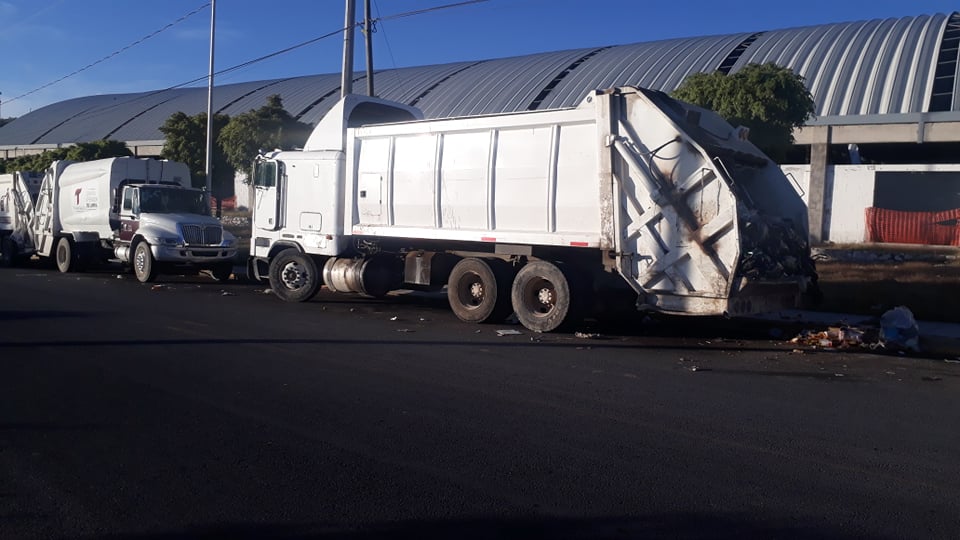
pixel 277 53
pixel 111 55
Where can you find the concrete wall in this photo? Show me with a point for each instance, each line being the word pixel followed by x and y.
pixel 848 192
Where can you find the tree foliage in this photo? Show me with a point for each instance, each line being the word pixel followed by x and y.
pixel 267 128
pixel 87 151
pixel 769 99
pixel 186 142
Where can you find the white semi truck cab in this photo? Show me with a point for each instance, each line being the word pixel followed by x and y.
pixel 553 215
pixel 140 211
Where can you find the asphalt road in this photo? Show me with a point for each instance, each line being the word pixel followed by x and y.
pixel 207 410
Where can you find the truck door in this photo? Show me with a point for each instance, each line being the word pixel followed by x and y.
pixel 266 208
pixel 129 211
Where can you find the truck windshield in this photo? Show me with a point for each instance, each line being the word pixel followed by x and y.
pixel 171 201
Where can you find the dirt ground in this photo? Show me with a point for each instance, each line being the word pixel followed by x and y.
pixel 926 282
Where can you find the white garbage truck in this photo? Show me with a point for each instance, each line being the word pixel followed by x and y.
pixel 142 212
pixel 630 197
pixel 18 193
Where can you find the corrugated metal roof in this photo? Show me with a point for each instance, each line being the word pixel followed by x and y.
pixel 871 67
pixel 860 68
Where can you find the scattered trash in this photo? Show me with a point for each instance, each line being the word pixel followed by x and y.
pixel 508 332
pixel 119 276
pixel 838 375
pixel 394 318
pixel 158 287
pixel 226 293
pixel 698 368
pixel 899 330
pixel 476 331
pixel 424 320
pixel 267 291
pixel 405 330
pixel 951 361
pixel 832 337
pixel 585 335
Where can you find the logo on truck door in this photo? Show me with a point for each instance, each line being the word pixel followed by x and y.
pixel 128 227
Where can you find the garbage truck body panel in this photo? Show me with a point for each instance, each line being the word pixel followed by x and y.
pixel 89 211
pixel 551 214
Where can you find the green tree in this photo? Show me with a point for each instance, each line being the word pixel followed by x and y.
pixel 186 142
pixel 267 128
pixel 87 151
pixel 769 99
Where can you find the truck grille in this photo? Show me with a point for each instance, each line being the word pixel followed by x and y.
pixel 202 234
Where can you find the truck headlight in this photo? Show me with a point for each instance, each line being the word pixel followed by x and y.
pixel 168 240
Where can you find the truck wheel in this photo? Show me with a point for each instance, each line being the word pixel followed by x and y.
pixel 222 272
pixel 144 267
pixel 477 291
pixel 294 276
pixel 8 252
pixel 65 255
pixel 541 297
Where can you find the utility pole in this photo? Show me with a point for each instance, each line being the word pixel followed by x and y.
pixel 209 164
pixel 349 21
pixel 368 42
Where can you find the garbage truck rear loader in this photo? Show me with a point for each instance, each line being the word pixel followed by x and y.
pixel 18 193
pixel 630 197
pixel 140 211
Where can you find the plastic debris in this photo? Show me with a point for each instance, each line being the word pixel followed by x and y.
pixel 899 330
pixel 394 318
pixel 158 287
pixel 405 330
pixel 509 332
pixel 585 335
pixel 267 291
pixel 833 337
pixel 226 293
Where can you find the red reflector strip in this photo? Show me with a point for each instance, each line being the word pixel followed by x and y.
pixel 487 239
pixel 579 244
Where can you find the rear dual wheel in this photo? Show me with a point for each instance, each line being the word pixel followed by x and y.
pixel 479 290
pixel 545 296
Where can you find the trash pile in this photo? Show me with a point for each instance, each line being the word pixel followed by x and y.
pixel 898 331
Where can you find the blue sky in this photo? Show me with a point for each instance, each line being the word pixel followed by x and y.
pixel 44 40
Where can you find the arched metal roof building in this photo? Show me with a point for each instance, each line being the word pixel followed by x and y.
pixel 893 71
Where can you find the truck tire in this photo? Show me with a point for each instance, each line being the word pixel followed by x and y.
pixel 8 252
pixel 65 255
pixel 478 291
pixel 541 297
pixel 144 267
pixel 222 272
pixel 294 276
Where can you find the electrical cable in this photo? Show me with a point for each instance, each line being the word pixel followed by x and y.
pixel 248 63
pixel 111 55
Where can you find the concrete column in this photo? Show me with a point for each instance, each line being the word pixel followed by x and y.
pixel 816 195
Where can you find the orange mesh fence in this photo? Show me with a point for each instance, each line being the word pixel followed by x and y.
pixel 929 228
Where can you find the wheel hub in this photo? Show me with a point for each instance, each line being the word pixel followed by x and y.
pixel 545 296
pixel 294 276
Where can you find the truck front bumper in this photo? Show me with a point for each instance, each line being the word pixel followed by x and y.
pixel 193 254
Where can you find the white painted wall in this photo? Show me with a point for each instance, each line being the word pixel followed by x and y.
pixel 850 191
